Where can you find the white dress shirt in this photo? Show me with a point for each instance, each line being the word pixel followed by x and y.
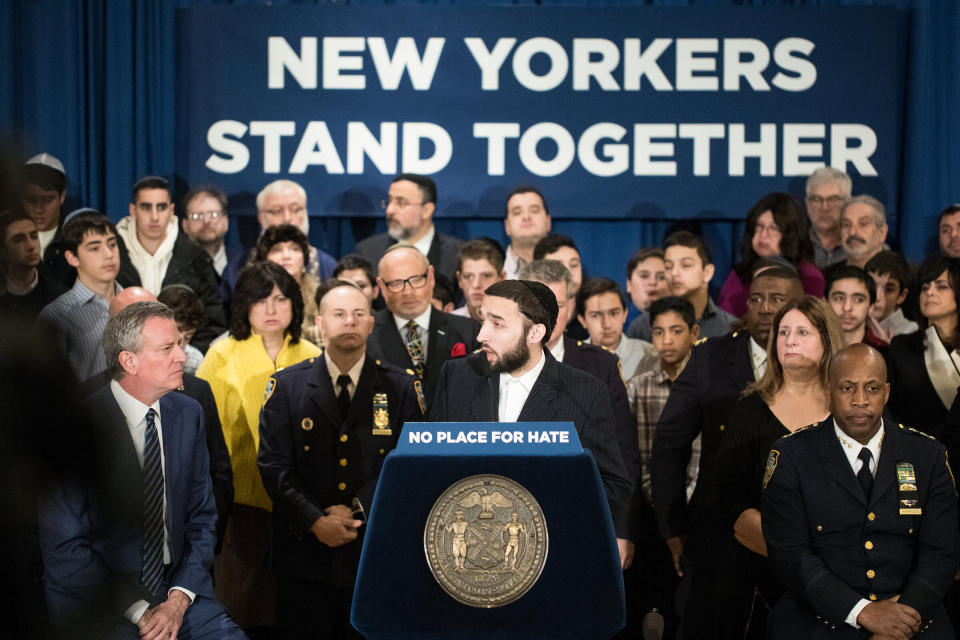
pixel 558 351
pixel 423 329
pixel 220 259
pixel 515 391
pixel 758 359
pixel 135 414
pixel 423 244
pixel 852 450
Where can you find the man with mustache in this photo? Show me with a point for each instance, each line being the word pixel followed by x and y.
pixel 863 229
pixel 410 206
pixel 515 378
pixel 860 517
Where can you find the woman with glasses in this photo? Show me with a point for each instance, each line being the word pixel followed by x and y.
pixel 287 246
pixel 776 227
pixel 264 337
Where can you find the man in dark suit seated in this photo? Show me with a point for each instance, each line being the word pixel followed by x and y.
pixel 325 430
pixel 410 333
pixel 860 517
pixel 137 547
pixel 516 379
pixel 410 206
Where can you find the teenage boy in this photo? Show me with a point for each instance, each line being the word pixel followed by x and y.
pixel 892 274
pixel 602 309
pixel 80 314
pixel 479 265
pixel 646 281
pixel 689 269
pixel 851 293
pixel 674 333
pixel 27 288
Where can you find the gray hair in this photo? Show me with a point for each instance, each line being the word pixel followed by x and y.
pixel 124 332
pixel 870 201
pixel 280 186
pixel 547 272
pixel 825 175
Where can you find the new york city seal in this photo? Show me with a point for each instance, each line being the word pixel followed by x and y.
pixel 486 541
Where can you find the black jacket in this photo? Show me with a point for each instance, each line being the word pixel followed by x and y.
pixel 442 254
pixel 913 400
pixel 192 266
pixel 468 392
pixel 446 331
pixel 311 457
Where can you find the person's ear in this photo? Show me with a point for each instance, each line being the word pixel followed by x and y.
pixel 695 332
pixel 903 296
pixel 71 259
pixel 130 362
pixel 536 334
pixel 708 272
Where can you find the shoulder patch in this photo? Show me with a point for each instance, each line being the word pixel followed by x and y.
pixel 919 433
pixel 800 430
pixel 271 387
pixel 418 386
pixel 770 467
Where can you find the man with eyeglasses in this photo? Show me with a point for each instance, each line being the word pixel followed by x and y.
pixel 827 191
pixel 206 224
pixel 410 333
pixel 285 202
pixel 409 207
pixel 153 255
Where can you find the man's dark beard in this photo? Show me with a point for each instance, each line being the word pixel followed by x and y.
pixel 513 359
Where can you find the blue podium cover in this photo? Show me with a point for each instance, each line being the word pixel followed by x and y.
pixel 579 593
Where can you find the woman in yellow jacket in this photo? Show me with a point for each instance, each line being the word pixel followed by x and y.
pixel 264 337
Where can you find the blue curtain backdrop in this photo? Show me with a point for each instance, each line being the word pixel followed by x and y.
pixel 94 82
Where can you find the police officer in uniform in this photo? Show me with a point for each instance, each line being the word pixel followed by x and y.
pixel 326 426
pixel 860 518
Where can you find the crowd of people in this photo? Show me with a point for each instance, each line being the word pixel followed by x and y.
pixel 705 415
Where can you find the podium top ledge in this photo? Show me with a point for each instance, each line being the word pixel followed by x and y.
pixel 489 439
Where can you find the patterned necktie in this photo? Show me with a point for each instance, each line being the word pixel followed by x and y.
pixel 415 346
pixel 864 475
pixel 151 573
pixel 343 398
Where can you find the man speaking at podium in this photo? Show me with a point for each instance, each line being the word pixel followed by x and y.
pixel 515 379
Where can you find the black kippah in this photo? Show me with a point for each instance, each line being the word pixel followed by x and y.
pixel 549 301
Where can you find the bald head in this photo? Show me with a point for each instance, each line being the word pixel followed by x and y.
pixel 127 297
pixel 858 390
pixel 402 253
pixel 406 281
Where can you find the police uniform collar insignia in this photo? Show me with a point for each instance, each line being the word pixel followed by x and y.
pixel 381 417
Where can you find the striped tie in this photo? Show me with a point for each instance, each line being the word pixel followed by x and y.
pixel 415 347
pixel 151 573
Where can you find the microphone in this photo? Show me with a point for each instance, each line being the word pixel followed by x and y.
pixel 652 626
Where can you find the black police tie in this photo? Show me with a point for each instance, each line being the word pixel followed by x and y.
pixel 151 573
pixel 343 398
pixel 864 476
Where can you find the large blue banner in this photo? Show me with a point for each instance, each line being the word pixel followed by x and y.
pixel 613 112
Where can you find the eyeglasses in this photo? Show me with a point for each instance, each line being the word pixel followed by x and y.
pixel 819 201
pixel 415 282
pixel 205 215
pixel 294 209
pixel 400 202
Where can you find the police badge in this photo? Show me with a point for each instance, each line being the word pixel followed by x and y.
pixel 381 418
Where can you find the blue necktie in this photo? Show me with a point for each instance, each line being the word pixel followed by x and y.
pixel 151 573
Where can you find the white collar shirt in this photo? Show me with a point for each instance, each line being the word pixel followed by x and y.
pixel 515 391
pixel 353 373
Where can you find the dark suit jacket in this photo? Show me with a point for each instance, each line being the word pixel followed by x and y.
pixel 816 518
pixel 605 367
pixel 192 266
pixel 91 536
pixel 700 402
pixel 221 473
pixel 913 400
pixel 446 330
pixel 468 392
pixel 303 439
pixel 442 254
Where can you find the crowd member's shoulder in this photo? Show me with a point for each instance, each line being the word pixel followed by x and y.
pixel 915 433
pixel 596 351
pixel 398 374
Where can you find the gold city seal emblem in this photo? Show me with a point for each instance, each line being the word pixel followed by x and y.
pixel 486 541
